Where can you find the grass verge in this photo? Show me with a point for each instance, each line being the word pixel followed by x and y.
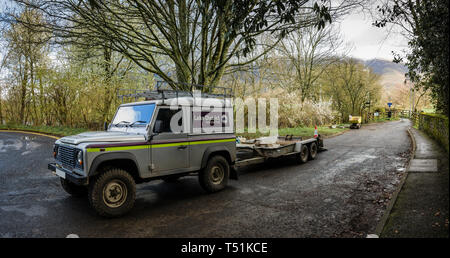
pixel 383 119
pixel 52 130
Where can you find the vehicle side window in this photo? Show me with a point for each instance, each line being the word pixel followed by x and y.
pixel 165 115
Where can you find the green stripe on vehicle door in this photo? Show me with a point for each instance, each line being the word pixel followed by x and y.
pixel 162 145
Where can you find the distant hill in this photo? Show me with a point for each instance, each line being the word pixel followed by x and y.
pixel 392 74
pixel 380 66
pixel 392 78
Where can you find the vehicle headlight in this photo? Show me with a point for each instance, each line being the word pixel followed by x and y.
pixel 55 151
pixel 80 157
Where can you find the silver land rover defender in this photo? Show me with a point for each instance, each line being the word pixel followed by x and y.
pixel 169 135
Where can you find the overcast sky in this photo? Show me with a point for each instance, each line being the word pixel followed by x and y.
pixel 369 41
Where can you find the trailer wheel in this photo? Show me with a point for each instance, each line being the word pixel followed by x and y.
pixel 312 151
pixel 214 177
pixel 112 194
pixel 303 155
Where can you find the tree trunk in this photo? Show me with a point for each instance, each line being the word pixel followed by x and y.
pixel 23 93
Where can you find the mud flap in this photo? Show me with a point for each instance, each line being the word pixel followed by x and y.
pixel 234 173
pixel 320 141
pixel 320 144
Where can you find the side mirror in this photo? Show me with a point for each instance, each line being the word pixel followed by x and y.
pixel 105 126
pixel 157 129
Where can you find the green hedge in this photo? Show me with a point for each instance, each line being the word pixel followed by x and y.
pixel 436 126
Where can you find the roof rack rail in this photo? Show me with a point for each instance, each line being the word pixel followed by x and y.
pixel 184 90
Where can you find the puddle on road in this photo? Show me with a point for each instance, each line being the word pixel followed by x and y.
pixel 25 143
pixel 28 138
pixel 7 145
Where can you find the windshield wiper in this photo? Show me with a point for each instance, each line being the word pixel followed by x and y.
pixel 139 121
pixel 121 122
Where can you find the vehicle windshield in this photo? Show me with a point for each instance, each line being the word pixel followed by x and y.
pixel 138 115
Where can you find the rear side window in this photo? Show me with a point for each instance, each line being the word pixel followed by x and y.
pixel 172 120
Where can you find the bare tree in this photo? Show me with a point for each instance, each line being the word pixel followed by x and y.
pixel 309 52
pixel 26 50
pixel 200 38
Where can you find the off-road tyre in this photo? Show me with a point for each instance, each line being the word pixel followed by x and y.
pixel 214 177
pixel 112 193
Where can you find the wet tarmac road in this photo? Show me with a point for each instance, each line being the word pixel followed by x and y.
pixel 343 193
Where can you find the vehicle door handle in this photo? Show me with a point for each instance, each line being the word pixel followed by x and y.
pixel 182 147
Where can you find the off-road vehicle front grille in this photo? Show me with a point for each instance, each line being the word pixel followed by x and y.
pixel 67 156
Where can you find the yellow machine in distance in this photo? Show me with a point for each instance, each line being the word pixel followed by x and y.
pixel 355 122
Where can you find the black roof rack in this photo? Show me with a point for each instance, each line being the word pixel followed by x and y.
pixel 185 90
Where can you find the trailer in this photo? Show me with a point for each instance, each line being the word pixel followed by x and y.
pixel 256 151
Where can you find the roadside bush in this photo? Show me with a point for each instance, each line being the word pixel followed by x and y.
pixel 293 113
pixel 436 126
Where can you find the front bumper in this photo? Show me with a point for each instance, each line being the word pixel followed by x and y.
pixel 69 175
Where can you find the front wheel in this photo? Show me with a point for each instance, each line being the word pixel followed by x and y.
pixel 214 177
pixel 112 194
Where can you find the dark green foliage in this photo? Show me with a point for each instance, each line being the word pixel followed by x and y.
pixel 427 25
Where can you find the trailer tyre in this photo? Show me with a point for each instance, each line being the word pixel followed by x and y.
pixel 112 193
pixel 312 151
pixel 214 177
pixel 303 155
pixel 73 189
